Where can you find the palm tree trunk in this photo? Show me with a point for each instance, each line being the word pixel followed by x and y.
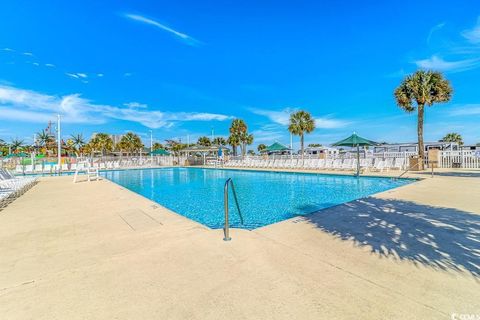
pixel 421 148
pixel 301 145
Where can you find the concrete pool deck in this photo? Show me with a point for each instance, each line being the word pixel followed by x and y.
pixel 98 251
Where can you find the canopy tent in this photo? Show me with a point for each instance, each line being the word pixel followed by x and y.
pixel 18 155
pixel 355 141
pixel 276 147
pixel 160 152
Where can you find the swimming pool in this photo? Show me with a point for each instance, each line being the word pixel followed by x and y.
pixel 265 197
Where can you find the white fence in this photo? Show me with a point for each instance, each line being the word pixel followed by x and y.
pixel 460 159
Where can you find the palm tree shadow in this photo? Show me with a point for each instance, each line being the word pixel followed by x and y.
pixel 441 238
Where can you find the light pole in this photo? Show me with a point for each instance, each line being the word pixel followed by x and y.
pixel 59 143
pixel 151 148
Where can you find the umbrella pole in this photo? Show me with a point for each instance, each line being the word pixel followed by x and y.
pixel 358 160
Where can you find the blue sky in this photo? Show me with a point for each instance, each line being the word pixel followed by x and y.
pixel 184 67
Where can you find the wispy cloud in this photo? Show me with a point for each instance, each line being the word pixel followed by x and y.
pixel 439 64
pixel 50 65
pixel 282 117
pixel 31 106
pixel 466 110
pixel 434 29
pixel 127 74
pixel 473 34
pixel 8 49
pixel 135 105
pixel 28 54
pixel 179 35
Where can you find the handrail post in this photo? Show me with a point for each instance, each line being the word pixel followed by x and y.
pixel 226 229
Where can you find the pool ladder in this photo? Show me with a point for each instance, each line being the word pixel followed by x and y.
pixel 226 229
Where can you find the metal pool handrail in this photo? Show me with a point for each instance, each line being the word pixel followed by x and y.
pixel 226 229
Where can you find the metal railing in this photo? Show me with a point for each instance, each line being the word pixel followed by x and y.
pixel 226 229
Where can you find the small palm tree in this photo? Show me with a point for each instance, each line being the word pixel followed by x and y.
pixel 157 146
pixel 219 141
pixel 204 141
pixel 301 122
pixel 130 143
pixel 424 88
pixel 101 142
pixel 77 143
pixel 16 145
pixel 45 140
pixel 453 137
pixel 261 147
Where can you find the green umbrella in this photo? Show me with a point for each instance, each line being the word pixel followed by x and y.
pixel 160 152
pixel 355 141
pixel 18 155
pixel 276 147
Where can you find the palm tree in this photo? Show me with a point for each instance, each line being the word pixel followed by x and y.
pixel 101 142
pixel 422 88
pixel 77 143
pixel 45 140
pixel 453 137
pixel 234 141
pixel 157 146
pixel 245 139
pixel 219 141
pixel 130 143
pixel 204 141
pixel 301 122
pixel 261 147
pixel 16 145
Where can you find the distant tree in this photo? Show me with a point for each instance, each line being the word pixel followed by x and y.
pixel 251 152
pixel 204 141
pixel 246 139
pixel 130 143
pixel 261 147
pixel 238 135
pixel 478 144
pixel 16 145
pixel 301 122
pixel 45 140
pixel 219 141
pixel 453 137
pixel 424 88
pixel 234 142
pixel 314 145
pixel 157 146
pixel 101 142
pixel 77 143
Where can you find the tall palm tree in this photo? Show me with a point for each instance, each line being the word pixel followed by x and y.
pixel 77 142
pixel 245 139
pixel 219 141
pixel 453 137
pixel 423 88
pixel 101 142
pixel 130 143
pixel 301 122
pixel 204 141
pixel 234 141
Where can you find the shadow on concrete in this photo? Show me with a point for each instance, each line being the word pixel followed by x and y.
pixel 441 238
pixel 460 174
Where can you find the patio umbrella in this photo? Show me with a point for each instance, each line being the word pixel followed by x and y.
pixel 355 141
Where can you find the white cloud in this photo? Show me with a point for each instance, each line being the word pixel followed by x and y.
pixel 473 35
pixel 30 106
pixel 36 64
pixel 282 117
pixel 28 54
pixel 466 110
pixel 182 36
pixel 8 49
pixel 127 74
pixel 50 65
pixel 439 64
pixel 100 75
pixel 73 75
pixel 434 29
pixel 82 75
pixel 135 105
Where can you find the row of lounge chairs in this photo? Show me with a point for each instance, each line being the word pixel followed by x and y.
pixel 367 164
pixel 101 165
pixel 12 186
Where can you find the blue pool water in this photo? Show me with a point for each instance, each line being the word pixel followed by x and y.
pixel 264 197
